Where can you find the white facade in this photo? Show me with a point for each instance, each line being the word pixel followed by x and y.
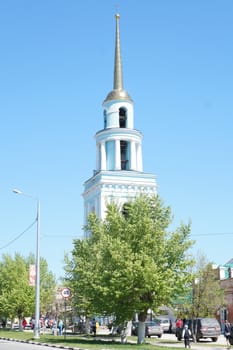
pixel 119 174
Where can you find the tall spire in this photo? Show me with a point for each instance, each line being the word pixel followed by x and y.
pixel 118 92
pixel 118 79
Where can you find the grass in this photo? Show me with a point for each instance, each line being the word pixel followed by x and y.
pixel 103 342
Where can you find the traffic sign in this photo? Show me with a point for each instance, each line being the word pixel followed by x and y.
pixel 66 292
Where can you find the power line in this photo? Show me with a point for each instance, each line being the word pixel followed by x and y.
pixel 212 234
pixel 17 237
pixel 195 234
pixel 76 236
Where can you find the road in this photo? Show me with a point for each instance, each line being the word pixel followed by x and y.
pixel 12 345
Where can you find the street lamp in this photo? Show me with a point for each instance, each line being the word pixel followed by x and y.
pixel 37 303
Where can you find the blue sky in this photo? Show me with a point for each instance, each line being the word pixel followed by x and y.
pixel 56 68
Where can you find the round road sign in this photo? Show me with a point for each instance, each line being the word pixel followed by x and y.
pixel 66 293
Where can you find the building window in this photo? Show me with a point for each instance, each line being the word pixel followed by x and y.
pixel 105 119
pixel 122 117
pixel 124 155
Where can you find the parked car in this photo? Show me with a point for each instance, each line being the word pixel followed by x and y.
pixel 203 328
pixel 165 323
pixel 231 336
pixel 151 328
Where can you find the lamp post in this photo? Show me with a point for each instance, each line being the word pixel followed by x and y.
pixel 37 302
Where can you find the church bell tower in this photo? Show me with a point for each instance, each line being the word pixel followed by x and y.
pixel 119 175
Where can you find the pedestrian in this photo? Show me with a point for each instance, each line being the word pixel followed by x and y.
pixel 93 326
pixel 186 335
pixel 227 333
pixel 179 323
pixel 24 323
pixel 179 328
pixel 60 326
pixel 32 323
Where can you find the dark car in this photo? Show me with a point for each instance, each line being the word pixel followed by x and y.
pixel 231 335
pixel 203 328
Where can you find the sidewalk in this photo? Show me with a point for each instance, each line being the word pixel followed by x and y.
pixel 171 341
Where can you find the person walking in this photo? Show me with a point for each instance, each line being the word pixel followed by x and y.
pixel 227 333
pixel 93 326
pixel 24 323
pixel 60 326
pixel 179 328
pixel 186 336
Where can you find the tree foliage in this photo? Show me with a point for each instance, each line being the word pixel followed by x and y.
pixel 17 297
pixel 208 296
pixel 130 262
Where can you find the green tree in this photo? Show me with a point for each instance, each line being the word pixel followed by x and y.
pixel 130 262
pixel 17 297
pixel 47 288
pixel 208 296
pixel 204 294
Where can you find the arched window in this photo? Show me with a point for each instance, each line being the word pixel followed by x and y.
pixel 105 119
pixel 124 155
pixel 122 117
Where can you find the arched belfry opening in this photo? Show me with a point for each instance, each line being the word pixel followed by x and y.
pixel 122 117
pixel 124 155
pixel 105 119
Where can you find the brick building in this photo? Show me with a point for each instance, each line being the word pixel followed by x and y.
pixel 225 275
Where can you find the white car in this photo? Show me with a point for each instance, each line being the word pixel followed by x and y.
pixel 165 323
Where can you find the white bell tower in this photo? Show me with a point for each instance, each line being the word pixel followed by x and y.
pixel 119 174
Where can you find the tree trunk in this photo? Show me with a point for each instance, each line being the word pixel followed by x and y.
pixel 123 336
pixel 129 328
pixel 126 331
pixel 87 326
pixel 20 324
pixel 141 327
pixel 141 332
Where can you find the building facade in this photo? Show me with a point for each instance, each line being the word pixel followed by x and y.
pixel 225 275
pixel 119 174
